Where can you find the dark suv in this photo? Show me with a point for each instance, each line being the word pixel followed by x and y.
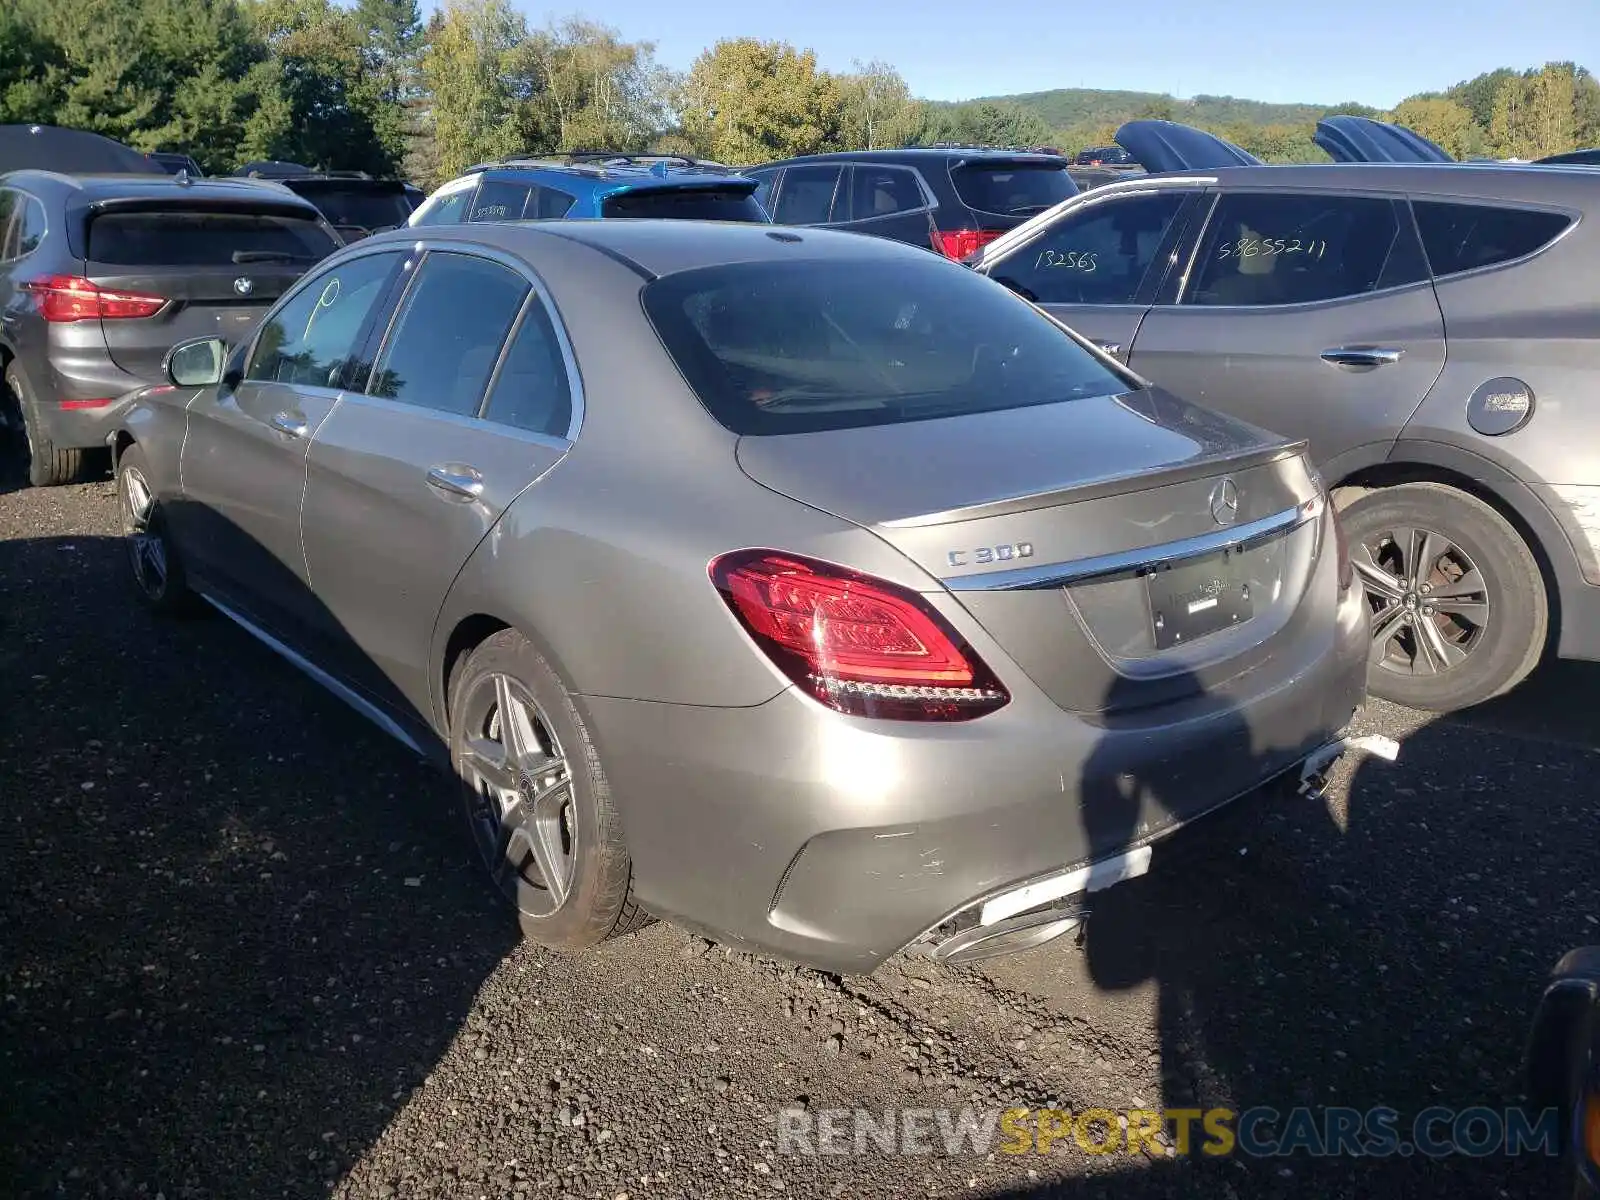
pixel 356 204
pixel 101 274
pixel 951 199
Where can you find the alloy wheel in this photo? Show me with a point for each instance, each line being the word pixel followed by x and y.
pixel 147 550
pixel 519 801
pixel 1430 603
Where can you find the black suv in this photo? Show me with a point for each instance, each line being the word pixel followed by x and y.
pixel 951 199
pixel 355 204
pixel 101 274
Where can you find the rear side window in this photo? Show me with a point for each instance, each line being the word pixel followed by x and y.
pixel 764 190
pixel 806 197
pixel 499 200
pixel 1014 189
pixel 1463 237
pixel 882 192
pixel 793 347
pixel 448 334
pixel 29 229
pixel 1282 248
pixel 192 238
pixel 687 204
pixel 533 391
pixel 547 203
pixel 1096 255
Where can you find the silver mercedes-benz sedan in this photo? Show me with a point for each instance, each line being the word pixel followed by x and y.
pixel 805 588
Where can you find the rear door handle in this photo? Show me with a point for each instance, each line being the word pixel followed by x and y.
pixel 291 423
pixel 1361 356
pixel 456 481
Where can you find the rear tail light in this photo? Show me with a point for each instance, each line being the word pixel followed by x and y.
pixel 65 298
pixel 1591 1126
pixel 101 403
pixel 859 645
pixel 960 243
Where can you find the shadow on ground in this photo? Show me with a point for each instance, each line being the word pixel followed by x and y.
pixel 241 927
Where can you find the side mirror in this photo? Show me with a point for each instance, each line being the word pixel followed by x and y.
pixel 196 363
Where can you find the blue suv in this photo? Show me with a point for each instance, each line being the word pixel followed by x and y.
pixel 591 185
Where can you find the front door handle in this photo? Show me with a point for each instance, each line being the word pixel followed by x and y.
pixel 456 481
pixel 1112 348
pixel 291 423
pixel 1361 356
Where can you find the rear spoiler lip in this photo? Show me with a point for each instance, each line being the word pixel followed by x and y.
pixel 269 205
pixel 1111 485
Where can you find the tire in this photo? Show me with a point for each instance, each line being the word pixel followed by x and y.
pixel 155 568
pixel 511 806
pixel 1479 587
pixel 47 466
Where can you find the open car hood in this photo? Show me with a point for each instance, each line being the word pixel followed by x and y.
pixel 1159 146
pixel 1350 139
pixel 70 151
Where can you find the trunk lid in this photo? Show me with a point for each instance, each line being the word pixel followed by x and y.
pixel 1133 546
pixel 220 267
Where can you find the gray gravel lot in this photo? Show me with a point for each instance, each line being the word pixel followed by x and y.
pixel 246 954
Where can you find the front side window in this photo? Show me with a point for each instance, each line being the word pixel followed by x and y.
pixel 1464 237
pixel 532 391
pixel 1296 248
pixel 313 339
pixel 806 197
pixel 1100 254
pixel 883 191
pixel 797 346
pixel 499 200
pixel 448 334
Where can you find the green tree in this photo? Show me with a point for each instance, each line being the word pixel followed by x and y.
pixel 989 123
pixel 1510 133
pixel 1552 103
pixel 1478 95
pixel 584 87
pixel 878 110
pixel 1445 122
pixel 31 70
pixel 472 112
pixel 748 101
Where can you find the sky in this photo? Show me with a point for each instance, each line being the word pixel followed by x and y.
pixel 1373 51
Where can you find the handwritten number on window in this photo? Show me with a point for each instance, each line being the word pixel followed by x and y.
pixel 1072 260
pixel 1249 247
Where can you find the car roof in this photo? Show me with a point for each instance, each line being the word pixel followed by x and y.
pixel 155 186
pixel 654 247
pixel 915 154
pixel 657 171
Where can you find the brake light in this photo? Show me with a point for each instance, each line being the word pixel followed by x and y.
pixel 65 298
pixel 1591 1126
pixel 858 644
pixel 959 243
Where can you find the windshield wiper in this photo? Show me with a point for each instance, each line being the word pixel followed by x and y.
pixel 254 256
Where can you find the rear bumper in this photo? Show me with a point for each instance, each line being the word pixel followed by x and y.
pixel 834 841
pixel 58 386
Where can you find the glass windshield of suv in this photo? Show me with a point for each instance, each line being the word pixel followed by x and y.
pixel 370 208
pixel 192 238
pixel 1016 189
pixel 687 204
pixel 796 347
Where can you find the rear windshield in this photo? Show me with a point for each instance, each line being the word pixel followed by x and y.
pixel 179 238
pixel 371 209
pixel 689 204
pixel 795 347
pixel 1014 189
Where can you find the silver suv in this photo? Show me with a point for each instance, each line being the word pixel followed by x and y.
pixel 1432 329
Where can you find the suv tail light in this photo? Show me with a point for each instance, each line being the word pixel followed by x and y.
pixel 64 298
pixel 959 243
pixel 859 645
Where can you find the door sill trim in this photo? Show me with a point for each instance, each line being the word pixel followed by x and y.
pixel 343 691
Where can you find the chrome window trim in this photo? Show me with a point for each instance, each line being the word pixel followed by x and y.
pixel 1047 576
pixel 425 247
pixel 1013 240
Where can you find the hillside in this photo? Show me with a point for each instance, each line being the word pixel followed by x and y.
pixel 1066 108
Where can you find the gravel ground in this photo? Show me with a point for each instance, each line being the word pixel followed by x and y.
pixel 246 955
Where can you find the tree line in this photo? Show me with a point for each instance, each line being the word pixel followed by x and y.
pixel 373 87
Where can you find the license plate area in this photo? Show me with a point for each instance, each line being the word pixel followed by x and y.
pixel 1190 600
